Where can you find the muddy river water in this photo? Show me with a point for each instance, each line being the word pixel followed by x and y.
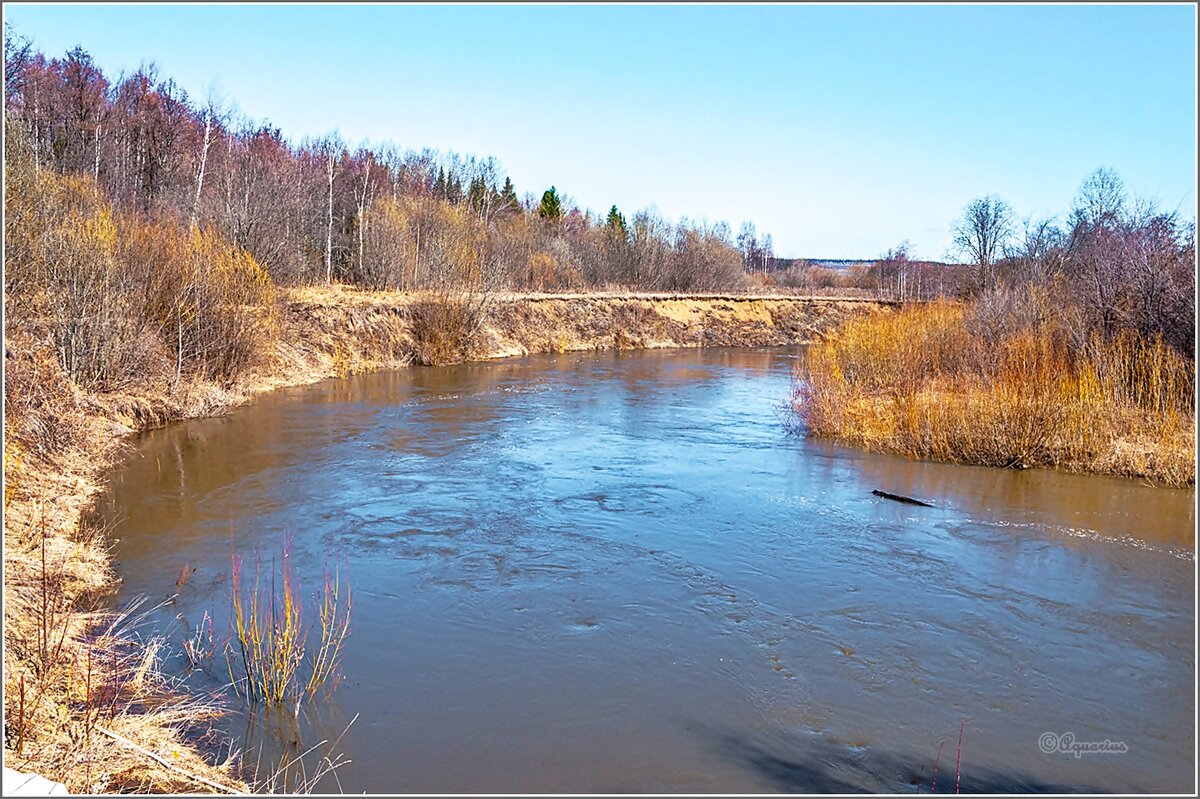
pixel 619 572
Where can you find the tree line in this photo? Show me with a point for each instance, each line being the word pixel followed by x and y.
pixel 321 210
pixel 1114 264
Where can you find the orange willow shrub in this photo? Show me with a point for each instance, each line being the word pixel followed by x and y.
pixel 273 643
pixel 62 275
pixel 209 301
pixel 113 294
pixel 919 383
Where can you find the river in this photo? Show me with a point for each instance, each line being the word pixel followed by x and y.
pixel 619 572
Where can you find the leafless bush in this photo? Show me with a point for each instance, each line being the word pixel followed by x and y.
pixel 62 274
pixel 446 326
pixel 209 301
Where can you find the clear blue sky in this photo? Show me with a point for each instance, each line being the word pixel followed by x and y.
pixel 842 130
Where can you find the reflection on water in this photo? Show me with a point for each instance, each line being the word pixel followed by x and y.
pixel 616 572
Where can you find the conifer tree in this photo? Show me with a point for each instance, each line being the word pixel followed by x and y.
pixel 551 205
pixel 508 195
pixel 477 196
pixel 615 223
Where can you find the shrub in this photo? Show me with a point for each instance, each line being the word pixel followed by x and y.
pixel 388 258
pixel 923 382
pixel 112 292
pixel 209 301
pixel 272 637
pixel 446 326
pixel 62 275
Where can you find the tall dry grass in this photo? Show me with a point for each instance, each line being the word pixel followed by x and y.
pixel 928 382
pixel 86 701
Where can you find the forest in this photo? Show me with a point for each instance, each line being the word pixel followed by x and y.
pixel 323 211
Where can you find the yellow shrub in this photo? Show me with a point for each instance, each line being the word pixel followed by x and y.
pixel 918 382
pixel 209 301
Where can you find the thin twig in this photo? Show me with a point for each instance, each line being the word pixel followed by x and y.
pixel 936 765
pixel 168 766
pixel 958 759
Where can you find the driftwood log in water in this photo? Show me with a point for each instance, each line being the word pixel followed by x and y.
pixel 899 498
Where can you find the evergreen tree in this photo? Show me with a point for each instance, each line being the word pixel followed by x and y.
pixel 615 223
pixel 477 195
pixel 508 195
pixel 439 184
pixel 551 205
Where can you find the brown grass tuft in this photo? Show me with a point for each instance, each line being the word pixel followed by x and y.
pixel 77 680
pixel 447 327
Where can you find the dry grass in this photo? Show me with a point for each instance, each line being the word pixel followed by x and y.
pixel 924 383
pixel 80 686
pixel 447 326
pixel 337 330
pixel 76 676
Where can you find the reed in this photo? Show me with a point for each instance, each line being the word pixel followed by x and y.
pixel 279 661
pixel 925 383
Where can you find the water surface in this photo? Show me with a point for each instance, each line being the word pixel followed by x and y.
pixel 618 572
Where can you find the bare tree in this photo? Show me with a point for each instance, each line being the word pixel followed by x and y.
pixel 894 272
pixel 212 113
pixel 1095 263
pixel 981 233
pixel 331 152
pixel 18 53
pixel 1038 251
pixel 1100 201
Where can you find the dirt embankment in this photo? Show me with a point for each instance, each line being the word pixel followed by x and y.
pixel 343 331
pixel 74 684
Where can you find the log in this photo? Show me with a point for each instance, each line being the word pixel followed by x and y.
pixel 900 498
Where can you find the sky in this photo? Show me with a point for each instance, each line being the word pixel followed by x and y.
pixel 841 130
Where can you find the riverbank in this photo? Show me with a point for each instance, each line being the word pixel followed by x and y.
pixel 932 382
pixel 75 678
